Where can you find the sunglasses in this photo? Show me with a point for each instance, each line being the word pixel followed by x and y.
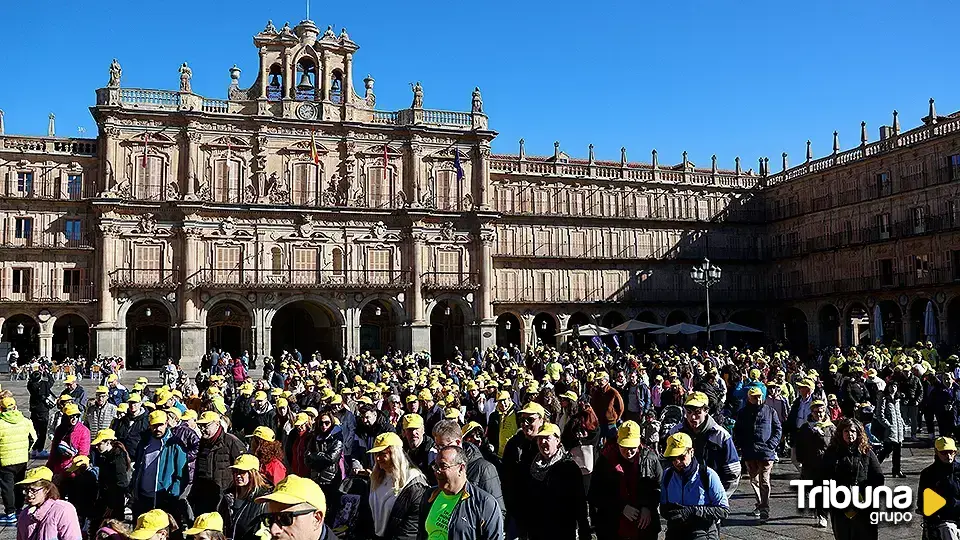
pixel 285 519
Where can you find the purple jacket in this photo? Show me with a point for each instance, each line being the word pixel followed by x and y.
pixel 56 520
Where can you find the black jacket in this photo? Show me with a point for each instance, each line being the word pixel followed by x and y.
pixel 244 515
pixel 482 473
pixel 404 523
pixel 944 480
pixel 557 506
pixel 518 454
pixel 212 475
pixel 39 387
pixel 323 456
pixel 114 473
pixel 851 468
pixel 130 431
pixel 420 456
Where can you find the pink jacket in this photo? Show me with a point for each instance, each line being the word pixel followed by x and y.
pixel 79 438
pixel 56 520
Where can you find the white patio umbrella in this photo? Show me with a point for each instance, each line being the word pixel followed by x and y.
pixel 634 325
pixel 682 328
pixel 733 327
pixel 877 324
pixel 930 322
pixel 587 330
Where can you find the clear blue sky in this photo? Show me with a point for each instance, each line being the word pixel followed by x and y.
pixel 729 78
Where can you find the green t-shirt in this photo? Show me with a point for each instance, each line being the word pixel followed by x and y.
pixel 438 520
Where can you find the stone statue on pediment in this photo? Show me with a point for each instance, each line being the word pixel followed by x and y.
pixel 270 28
pixel 185 75
pixel 417 95
pixel 115 73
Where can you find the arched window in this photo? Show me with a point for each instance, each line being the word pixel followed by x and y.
pixel 275 83
pixel 303 189
pixel 336 87
pixel 307 80
pixel 226 181
pixel 276 261
pixel 337 262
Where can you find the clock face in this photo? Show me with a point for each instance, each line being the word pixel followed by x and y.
pixel 307 111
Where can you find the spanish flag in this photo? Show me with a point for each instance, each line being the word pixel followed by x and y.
pixel 313 149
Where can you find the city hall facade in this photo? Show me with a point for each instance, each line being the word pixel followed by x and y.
pixel 295 214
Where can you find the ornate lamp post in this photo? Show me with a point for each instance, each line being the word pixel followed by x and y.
pixel 706 275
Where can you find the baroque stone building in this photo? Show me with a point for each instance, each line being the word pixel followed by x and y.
pixel 295 214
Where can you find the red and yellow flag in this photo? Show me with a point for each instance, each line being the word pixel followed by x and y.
pixel 313 149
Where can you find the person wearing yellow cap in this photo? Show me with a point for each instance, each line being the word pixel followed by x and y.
pixel 211 522
pixel 943 478
pixel 264 445
pixel 70 438
pixel 101 413
pixel 72 388
pixel 160 471
pixel 248 485
pixel 607 403
pixel 212 476
pixel 296 510
pixel 116 393
pixel 692 493
pixel 757 433
pixel 79 486
pixel 396 484
pixel 557 505
pixel 713 445
pixel 517 458
pixel 625 486
pixel 456 508
pixel 114 464
pixel 57 520
pixel 155 523
pixel 16 436
pixel 503 423
pixel 809 444
pixel 131 427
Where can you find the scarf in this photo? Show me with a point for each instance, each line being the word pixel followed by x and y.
pixel 540 466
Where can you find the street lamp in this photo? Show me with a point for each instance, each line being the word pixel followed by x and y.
pixel 507 325
pixel 447 311
pixel 148 312
pixel 20 329
pixel 378 312
pixel 227 312
pixel 706 275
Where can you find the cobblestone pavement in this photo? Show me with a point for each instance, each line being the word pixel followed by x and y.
pixel 786 522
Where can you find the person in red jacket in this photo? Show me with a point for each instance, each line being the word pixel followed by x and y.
pixel 608 404
pixel 71 438
pixel 268 450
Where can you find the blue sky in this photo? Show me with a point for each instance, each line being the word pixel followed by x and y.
pixel 717 77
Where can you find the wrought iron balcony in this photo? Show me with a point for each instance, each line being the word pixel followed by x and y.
pixel 145 278
pixel 48 294
pixel 460 281
pixel 212 278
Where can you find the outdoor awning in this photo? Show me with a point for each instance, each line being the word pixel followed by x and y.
pixel 733 327
pixel 682 328
pixel 634 325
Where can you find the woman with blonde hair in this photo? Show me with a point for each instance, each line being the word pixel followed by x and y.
pixel 396 490
pixel 44 514
pixel 245 512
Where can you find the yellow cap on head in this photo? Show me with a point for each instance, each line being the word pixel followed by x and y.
pixel 534 408
pixel 412 421
pixel 70 379
pixel 697 399
pixel 77 462
pixel 384 441
pixel 677 445
pixel 158 417
pixel 102 390
pixel 208 417
pixel 246 462
pixel 8 403
pixel 471 425
pixel 945 444
pixel 189 415
pixel 211 521
pixel 755 391
pixel 549 429
pixel 301 419
pixel 35 475
pixel 149 524
pixel 296 490
pixel 104 435
pixel 264 433
pixel 629 434
pixel 71 409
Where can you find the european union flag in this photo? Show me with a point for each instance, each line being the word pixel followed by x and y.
pixel 456 164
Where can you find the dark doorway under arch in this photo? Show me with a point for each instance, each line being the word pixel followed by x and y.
pixel 509 331
pixel 148 335
pixel 229 327
pixel 71 337
pixel 308 327
pixel 378 330
pixel 447 331
pixel 545 328
pixel 23 333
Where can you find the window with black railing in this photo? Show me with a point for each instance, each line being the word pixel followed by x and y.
pixel 74 186
pixel 954 166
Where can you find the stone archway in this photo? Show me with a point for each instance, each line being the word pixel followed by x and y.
pixel 229 327
pixel 378 327
pixel 857 333
pixel 828 320
pixel 448 329
pixel 793 330
pixel 148 334
pixel 891 317
pixel 23 333
pixel 676 317
pixel 614 318
pixel 753 318
pixel 917 318
pixel 509 330
pixel 307 326
pixel 545 328
pixel 578 319
pixel 71 337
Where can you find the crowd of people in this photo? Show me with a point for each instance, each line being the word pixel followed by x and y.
pixel 542 443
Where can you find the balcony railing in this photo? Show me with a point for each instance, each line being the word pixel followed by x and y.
pixel 641 295
pixel 212 278
pixel 44 241
pixel 46 189
pixel 450 280
pixel 49 293
pixel 49 145
pixel 917 278
pixel 145 278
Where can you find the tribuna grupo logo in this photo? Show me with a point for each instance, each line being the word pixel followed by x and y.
pixel 885 503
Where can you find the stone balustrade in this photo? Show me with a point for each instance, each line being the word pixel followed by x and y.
pixel 49 145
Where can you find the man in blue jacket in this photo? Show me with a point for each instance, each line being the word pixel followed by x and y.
pixel 712 444
pixel 692 497
pixel 160 471
pixel 757 434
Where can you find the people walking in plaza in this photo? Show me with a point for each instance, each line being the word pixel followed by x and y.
pixel 503 423
pixel 45 515
pixel 480 471
pixel 625 489
pixel 16 436
pixel 71 438
pixel 324 455
pixel 114 464
pixel 811 442
pixel 160 473
pixel 267 449
pixel 100 414
pixel 849 461
pixel 420 447
pixel 757 433
pixel 557 507
pixel 131 427
pixel 40 387
pixel 608 404
pixel 219 449
pixel 692 496
pixel 456 509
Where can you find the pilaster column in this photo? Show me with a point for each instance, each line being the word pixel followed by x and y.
pixel 416 288
pixel 483 180
pixel 46 344
pixel 347 86
pixel 487 238
pixel 191 240
pixel 109 156
pixel 193 154
pixel 411 173
pixel 108 249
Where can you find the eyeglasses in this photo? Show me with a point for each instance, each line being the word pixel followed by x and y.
pixel 285 519
pixel 693 410
pixel 440 467
pixel 32 489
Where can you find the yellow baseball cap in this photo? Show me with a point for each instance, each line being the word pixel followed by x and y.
pixel 78 461
pixel 123 407
pixel 264 433
pixel 208 417
pixel 143 380
pixel 211 521
pixel 8 403
pixel 173 411
pixel 569 394
pixel 425 395
pixel 246 462
pixel 112 377
pixel 162 396
pixel 549 429
pixel 754 391
pixel 149 524
pixel 189 415
pixel 35 475
pixel 295 490
pixel 806 382
pixel 677 445
pixel 312 411
pixel 628 436
pixel 70 379
pixel 471 425
pixel 134 398
pixel 411 398
pixel 282 402
pixel 697 399
pixel 104 435
pixel 412 421
pixel 260 396
pixel 817 403
pixel 533 408
pixel 71 409
pixel 158 417
pixel 102 390
pixel 451 413
pixel 944 444
pixel 384 441
pixel 66 397
pixel 301 419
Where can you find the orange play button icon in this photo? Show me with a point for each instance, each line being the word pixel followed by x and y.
pixel 932 502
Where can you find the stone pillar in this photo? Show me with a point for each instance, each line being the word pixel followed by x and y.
pixel 108 249
pixel 191 238
pixel 419 326
pixel 412 183
pixel 482 163
pixel 46 343
pixel 488 324
pixel 347 86
pixel 109 156
pixel 193 154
